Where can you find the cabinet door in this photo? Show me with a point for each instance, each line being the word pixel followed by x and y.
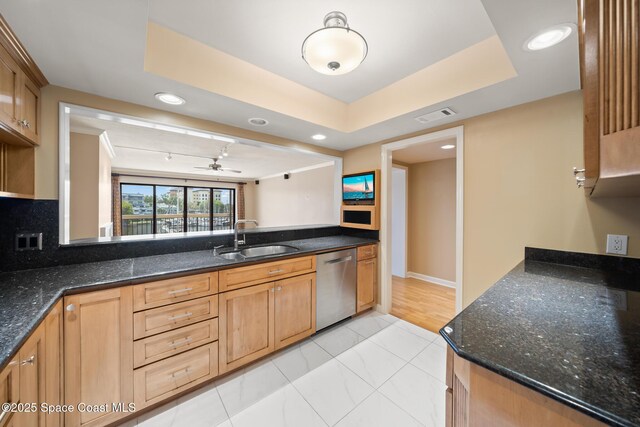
pixel 32 378
pixel 9 89
pixel 295 309
pixel 98 352
pixel 10 391
pixel 246 325
pixel 53 363
pixel 29 115
pixel 367 283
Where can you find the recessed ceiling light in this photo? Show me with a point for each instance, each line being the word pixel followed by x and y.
pixel 448 147
pixel 169 98
pixel 319 137
pixel 169 157
pixel 549 37
pixel 257 121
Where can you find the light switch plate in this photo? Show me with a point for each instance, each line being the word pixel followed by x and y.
pixel 617 244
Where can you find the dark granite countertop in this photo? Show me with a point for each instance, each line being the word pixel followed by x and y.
pixel 27 296
pixel 571 333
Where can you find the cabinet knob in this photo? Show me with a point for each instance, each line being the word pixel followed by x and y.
pixel 279 288
pixel 576 171
pixel 70 307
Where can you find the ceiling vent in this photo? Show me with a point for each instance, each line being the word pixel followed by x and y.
pixel 436 115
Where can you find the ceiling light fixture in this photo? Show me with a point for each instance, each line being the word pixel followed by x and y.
pixel 335 49
pixel 319 137
pixel 549 37
pixel 448 147
pixel 169 98
pixel 225 152
pixel 169 157
pixel 257 121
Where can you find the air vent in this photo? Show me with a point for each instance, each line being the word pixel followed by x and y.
pixel 436 115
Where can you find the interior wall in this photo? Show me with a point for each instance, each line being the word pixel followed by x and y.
pixel 104 187
pixel 84 185
pixel 432 219
pixel 47 152
pixel 399 216
pixel 519 189
pixel 305 198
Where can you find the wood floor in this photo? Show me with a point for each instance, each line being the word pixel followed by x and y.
pixel 422 303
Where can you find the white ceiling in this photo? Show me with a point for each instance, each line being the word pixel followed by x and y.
pixel 131 142
pixel 98 47
pixel 427 152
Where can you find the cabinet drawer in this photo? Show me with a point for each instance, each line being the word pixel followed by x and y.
pixel 156 294
pixel 253 274
pixel 156 320
pixel 366 252
pixel 167 344
pixel 168 377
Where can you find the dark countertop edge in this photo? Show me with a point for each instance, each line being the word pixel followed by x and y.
pixel 99 241
pixel 143 279
pixel 563 398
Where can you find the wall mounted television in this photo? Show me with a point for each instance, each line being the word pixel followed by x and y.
pixel 359 188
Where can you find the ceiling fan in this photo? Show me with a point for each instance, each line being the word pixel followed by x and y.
pixel 215 167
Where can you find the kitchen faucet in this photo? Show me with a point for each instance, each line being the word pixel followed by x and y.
pixel 235 232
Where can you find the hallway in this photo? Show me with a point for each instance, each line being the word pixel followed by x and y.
pixel 422 303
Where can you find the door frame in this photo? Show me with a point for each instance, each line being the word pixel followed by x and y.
pixel 385 229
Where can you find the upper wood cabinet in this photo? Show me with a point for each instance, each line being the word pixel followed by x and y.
pixel 610 73
pixel 98 350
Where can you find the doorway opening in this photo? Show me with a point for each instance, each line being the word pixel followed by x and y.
pixel 421 233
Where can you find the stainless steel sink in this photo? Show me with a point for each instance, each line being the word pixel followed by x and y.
pixel 267 250
pixel 233 256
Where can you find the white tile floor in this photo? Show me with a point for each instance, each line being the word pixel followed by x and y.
pixel 375 370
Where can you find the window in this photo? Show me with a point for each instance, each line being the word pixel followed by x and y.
pixel 162 209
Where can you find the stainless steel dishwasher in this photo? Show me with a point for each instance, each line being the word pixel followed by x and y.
pixel 335 287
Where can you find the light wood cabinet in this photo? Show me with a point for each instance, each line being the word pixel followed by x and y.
pixel 610 75
pixel 295 309
pixel 53 329
pixel 241 277
pixel 98 349
pixel 476 396
pixel 32 378
pixel 10 390
pixel 20 83
pixel 247 326
pixel 170 291
pixel 367 282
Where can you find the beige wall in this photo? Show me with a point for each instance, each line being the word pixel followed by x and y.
pixel 432 219
pixel 305 198
pixel 84 199
pixel 47 153
pixel 519 190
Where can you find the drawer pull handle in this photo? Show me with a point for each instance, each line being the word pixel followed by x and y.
pixel 180 343
pixel 276 271
pixel 180 373
pixel 179 291
pixel 368 262
pixel 180 316
pixel 29 361
pixel 5 414
pixel 279 288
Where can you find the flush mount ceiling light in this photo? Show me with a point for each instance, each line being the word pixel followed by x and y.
pixel 257 121
pixel 169 98
pixel 335 49
pixel 448 147
pixel 319 137
pixel 169 157
pixel 549 37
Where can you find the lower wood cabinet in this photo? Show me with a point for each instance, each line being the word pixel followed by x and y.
pixel 260 319
pixel 479 397
pixel 247 329
pixel 33 376
pixel 98 346
pixel 367 284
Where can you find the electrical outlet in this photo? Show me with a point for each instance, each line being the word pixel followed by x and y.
pixel 617 244
pixel 29 242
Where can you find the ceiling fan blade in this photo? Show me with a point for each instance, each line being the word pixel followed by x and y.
pixel 200 167
pixel 230 170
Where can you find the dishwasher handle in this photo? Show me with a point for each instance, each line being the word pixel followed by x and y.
pixel 339 260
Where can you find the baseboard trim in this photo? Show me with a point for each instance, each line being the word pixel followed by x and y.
pixel 431 279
